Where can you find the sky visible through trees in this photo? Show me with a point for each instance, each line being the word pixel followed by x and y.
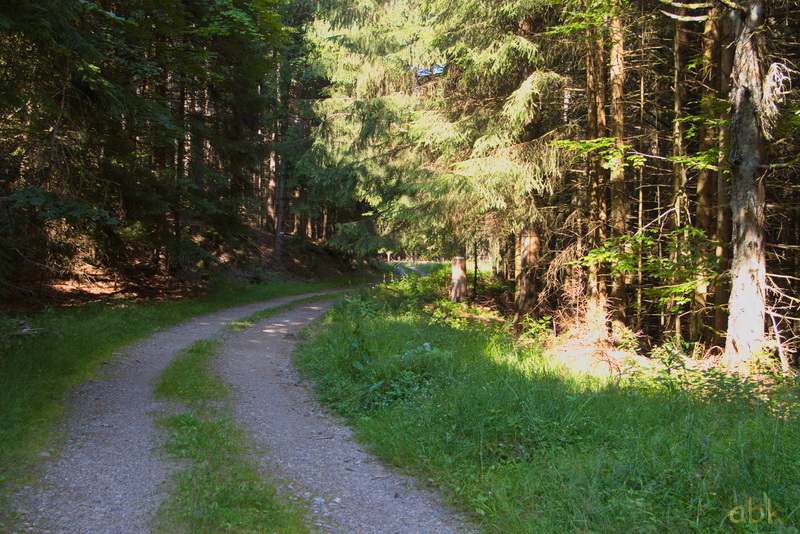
pixel 629 166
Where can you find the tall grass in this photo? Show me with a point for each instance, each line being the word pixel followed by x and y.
pixel 522 446
pixel 36 370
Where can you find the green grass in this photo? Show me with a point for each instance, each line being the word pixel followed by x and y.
pixel 523 447
pixel 187 379
pixel 426 266
pixel 218 486
pixel 36 371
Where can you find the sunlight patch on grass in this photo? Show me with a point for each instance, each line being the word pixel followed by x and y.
pixel 522 445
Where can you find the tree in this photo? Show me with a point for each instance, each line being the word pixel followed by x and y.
pixel 746 326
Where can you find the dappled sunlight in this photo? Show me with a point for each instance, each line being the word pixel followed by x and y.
pixel 282 328
pixel 594 429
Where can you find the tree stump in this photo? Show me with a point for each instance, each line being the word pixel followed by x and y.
pixel 459 279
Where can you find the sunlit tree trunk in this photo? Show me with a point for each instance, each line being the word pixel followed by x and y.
pixel 495 254
pixel 596 177
pixel 747 305
pixel 619 201
pixel 508 254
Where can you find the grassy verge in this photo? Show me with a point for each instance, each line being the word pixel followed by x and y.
pixel 426 266
pixel 36 370
pixel 525 447
pixel 219 487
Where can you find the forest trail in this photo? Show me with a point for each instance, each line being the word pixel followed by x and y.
pixel 108 478
pixel 347 488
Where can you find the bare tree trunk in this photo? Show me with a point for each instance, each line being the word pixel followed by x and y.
pixel 495 255
pixel 280 206
pixel 508 255
pixel 746 333
pixel 619 202
pixel 475 274
pixel 280 170
pixel 722 235
pixel 706 178
pixel 596 209
pixel 678 165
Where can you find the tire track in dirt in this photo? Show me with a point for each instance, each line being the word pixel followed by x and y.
pixel 105 478
pixel 348 489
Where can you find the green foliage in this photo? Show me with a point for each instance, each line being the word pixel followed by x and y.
pixel 49 206
pixel 673 260
pixel 523 447
pixel 538 330
pixel 132 116
pixel 523 104
pixel 440 124
pixel 604 147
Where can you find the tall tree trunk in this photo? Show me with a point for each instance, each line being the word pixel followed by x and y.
pixel 722 235
pixel 508 255
pixel 681 44
pixel 475 273
pixel 746 334
pixel 280 165
pixel 494 255
pixel 699 330
pixel 180 160
pixel 596 209
pixel 280 203
pixel 619 203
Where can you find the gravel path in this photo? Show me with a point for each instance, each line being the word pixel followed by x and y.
pixel 348 489
pixel 106 478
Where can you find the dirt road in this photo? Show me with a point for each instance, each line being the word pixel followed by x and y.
pixel 108 477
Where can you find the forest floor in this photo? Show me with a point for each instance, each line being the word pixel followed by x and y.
pixel 108 474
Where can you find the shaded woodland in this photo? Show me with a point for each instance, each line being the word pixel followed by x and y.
pixel 629 167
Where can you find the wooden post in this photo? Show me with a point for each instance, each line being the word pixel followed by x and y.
pixel 459 286
pixel 528 253
pixel 475 275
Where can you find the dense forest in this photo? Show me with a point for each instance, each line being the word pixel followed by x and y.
pixel 629 167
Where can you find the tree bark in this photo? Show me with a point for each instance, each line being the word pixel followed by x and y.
pixel 679 176
pixel 746 332
pixel 619 203
pixel 706 179
pixel 722 235
pixel 280 168
pixel 527 288
pixel 596 177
